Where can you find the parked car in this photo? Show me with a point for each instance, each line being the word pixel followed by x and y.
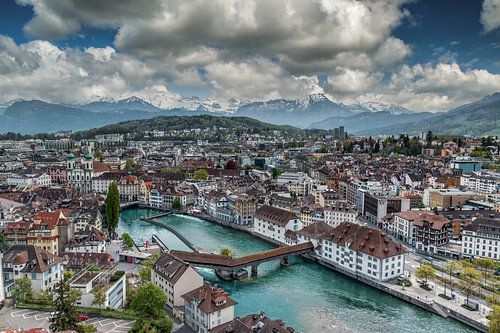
pixel 83 316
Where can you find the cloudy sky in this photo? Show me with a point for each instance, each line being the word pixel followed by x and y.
pixel 426 55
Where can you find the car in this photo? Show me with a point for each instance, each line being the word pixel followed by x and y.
pixel 82 316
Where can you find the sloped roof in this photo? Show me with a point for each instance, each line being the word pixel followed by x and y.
pixel 37 260
pixel 210 299
pixel 253 323
pixel 366 240
pixel 275 215
pixel 169 267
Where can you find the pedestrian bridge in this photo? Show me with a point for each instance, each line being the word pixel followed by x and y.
pixel 229 264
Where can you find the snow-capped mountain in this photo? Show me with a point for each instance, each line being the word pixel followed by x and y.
pixel 131 103
pixel 379 107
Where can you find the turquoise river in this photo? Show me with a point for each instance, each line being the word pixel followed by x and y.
pixel 309 297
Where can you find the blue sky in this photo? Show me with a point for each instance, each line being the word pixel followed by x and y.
pixel 427 55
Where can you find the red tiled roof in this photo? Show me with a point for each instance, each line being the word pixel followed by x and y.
pixel 366 240
pixel 210 299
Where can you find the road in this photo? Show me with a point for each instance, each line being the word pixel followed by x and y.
pixel 27 318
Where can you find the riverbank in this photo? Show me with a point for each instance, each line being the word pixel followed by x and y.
pixel 433 305
pixel 308 296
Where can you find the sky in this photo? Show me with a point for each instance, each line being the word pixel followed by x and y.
pixel 426 55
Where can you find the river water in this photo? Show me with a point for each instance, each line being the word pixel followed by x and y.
pixel 305 295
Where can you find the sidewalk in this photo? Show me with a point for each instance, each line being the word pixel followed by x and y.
pixel 432 296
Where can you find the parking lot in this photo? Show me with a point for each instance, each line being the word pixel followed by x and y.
pixel 27 318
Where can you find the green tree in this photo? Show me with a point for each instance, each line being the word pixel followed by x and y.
pixel 149 301
pixel 99 297
pixel 23 290
pixel 127 240
pixel 163 325
pixel 68 275
pixel 495 319
pixel 468 279
pixel 131 165
pixel 4 245
pixel 428 138
pixel 275 173
pixel 146 266
pixel 485 264
pixel 425 272
pixel 176 204
pixel 226 251
pixel 46 297
pixel 112 204
pixel 201 174
pixel 449 269
pixel 65 317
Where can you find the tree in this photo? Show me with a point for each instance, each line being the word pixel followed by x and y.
pixel 201 174
pixel 484 264
pixel 46 297
pixel 131 165
pixel 146 266
pixel 127 240
pixel 275 173
pixel 468 278
pixel 428 138
pixel 65 317
pixel 226 251
pixel 4 245
pixel 149 301
pixel 495 319
pixel 176 204
pixel 112 204
pixel 426 272
pixel 99 297
pixel 449 269
pixel 23 290
pixel 68 275
pixel 163 325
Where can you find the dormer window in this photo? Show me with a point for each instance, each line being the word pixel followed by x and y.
pixel 219 303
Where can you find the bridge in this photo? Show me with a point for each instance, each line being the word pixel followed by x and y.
pixel 156 240
pixel 172 230
pixel 221 263
pixel 128 204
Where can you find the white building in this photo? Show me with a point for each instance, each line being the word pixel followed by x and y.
pixel 100 184
pixel 296 182
pixel 207 307
pixel 338 213
pixel 34 179
pixel 175 277
pixel 88 240
pixel 479 183
pixel 40 266
pixel 364 251
pixel 481 238
pixel 272 222
pixel 422 229
pixel 112 282
pixel 80 173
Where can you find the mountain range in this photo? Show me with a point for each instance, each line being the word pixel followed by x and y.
pixel 312 111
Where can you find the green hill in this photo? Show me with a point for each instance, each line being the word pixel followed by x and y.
pixel 176 123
